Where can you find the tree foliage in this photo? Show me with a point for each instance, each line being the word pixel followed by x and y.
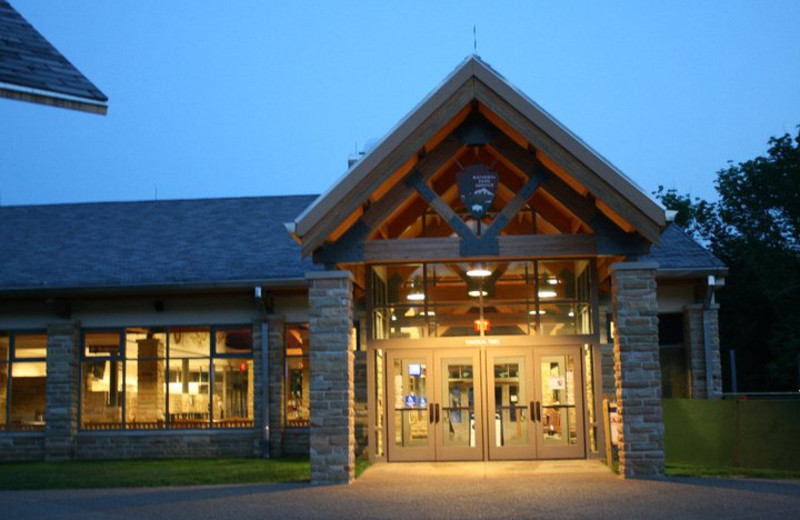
pixel 753 228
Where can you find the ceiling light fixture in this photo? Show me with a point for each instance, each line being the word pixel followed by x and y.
pixel 479 271
pixel 416 296
pixel 475 293
pixel 547 293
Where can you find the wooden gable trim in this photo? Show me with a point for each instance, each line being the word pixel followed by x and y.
pixel 648 224
pixel 355 190
pixel 409 136
pixel 474 83
pixel 580 150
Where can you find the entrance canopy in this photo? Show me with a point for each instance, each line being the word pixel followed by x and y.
pixel 528 188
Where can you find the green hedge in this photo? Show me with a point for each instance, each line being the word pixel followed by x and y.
pixel 739 433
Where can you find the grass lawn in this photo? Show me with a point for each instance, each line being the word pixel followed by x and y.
pixel 148 473
pixel 688 470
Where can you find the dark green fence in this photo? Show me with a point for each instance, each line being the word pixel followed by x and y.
pixel 732 433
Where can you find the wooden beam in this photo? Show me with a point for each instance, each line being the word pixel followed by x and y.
pixel 412 249
pixel 547 246
pixel 511 247
pixel 432 162
pixel 439 206
pixel 514 205
pixel 525 161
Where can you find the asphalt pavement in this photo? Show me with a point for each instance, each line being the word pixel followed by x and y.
pixel 552 490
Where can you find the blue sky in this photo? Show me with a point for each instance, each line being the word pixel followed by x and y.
pixel 241 98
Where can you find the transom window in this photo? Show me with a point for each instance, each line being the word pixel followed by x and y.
pixel 176 377
pixel 548 298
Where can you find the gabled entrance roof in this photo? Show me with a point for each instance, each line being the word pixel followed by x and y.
pixel 474 83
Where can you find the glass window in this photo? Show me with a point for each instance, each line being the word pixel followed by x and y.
pixel 101 380
pixel 145 391
pixel 177 377
pixel 23 381
pixel 189 393
pixel 232 389
pixel 551 297
pixel 233 393
pixel 297 376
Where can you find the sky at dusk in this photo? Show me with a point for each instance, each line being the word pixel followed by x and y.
pixel 251 98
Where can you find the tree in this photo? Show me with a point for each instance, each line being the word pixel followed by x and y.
pixel 754 228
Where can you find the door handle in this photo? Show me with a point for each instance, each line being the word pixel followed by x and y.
pixel 538 411
pixel 533 411
pixel 437 413
pixel 430 413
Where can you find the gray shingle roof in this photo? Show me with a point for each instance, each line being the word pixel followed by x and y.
pixel 28 60
pixel 170 243
pixel 679 252
pixel 154 243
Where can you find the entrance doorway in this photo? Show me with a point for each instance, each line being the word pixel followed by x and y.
pixel 485 404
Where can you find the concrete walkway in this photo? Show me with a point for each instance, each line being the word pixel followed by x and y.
pixel 553 490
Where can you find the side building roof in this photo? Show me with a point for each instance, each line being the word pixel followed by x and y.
pixel 680 255
pixel 172 244
pixel 153 244
pixel 31 69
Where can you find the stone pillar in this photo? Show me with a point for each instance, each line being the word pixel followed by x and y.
pixel 637 371
pixel 277 384
pixel 258 380
pixel 701 337
pixel 63 381
pixel 332 431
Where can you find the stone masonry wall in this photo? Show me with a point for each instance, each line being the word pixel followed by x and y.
pixel 276 384
pixel 331 434
pixel 258 380
pixel 61 416
pixel 165 444
pixel 21 446
pixel 637 370
pixel 694 337
pixel 360 396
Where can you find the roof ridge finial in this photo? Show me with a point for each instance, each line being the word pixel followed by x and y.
pixel 475 39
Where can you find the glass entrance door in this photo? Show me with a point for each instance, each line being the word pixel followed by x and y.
pixel 533 406
pixel 459 435
pixel 560 418
pixel 435 405
pixel 511 403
